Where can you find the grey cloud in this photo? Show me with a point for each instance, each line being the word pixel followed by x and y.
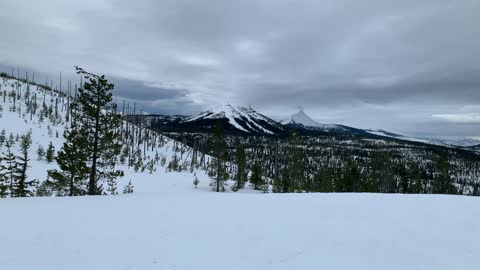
pixel 374 63
pixel 140 91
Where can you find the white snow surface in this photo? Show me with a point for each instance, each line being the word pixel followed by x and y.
pixel 168 224
pixel 301 118
pixel 234 113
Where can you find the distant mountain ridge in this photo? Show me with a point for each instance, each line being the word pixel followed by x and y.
pixel 234 120
pixel 464 142
pixel 240 120
pixel 302 120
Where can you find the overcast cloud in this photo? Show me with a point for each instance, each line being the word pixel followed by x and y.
pixel 411 67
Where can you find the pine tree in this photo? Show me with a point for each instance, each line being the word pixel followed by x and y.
pixel 415 178
pixel 100 123
pixel 138 161
pixel 241 175
pixel 3 137
pixel 9 167
pixel 112 186
pixel 44 189
pixel 72 159
pixel 196 181
pixel 128 188
pixel 3 180
pixel 219 146
pixel 265 186
pixel 293 177
pixel 326 179
pixel 23 188
pixel 442 183
pixel 350 178
pixel 256 177
pixel 40 152
pixel 125 154
pixel 50 155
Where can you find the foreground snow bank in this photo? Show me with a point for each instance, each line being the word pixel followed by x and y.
pixel 204 230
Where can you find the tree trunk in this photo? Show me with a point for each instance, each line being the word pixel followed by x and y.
pixel 92 190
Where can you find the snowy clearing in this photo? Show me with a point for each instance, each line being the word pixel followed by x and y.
pixel 167 224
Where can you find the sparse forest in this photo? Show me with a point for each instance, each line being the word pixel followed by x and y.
pixel 97 143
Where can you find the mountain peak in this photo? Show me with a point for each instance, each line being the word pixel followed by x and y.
pixel 244 119
pixel 301 118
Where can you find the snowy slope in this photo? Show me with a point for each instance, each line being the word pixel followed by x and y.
pixel 169 225
pixel 45 131
pixel 241 118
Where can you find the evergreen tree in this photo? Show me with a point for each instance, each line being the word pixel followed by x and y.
pixel 44 189
pixel 100 123
pixel 265 186
pixel 128 188
pixel 293 173
pixel 112 186
pixel 125 154
pixel 326 179
pixel 3 137
pixel 8 169
pixel 11 140
pixel 442 183
pixel 350 179
pixel 50 155
pixel 404 185
pixel 256 177
pixel 3 180
pixel 415 178
pixel 40 152
pixel 196 181
pixel 174 164
pixel 23 188
pixel 219 147
pixel 241 175
pixel 137 159
pixel 72 159
pixel 372 184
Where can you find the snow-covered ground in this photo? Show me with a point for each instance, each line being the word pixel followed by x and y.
pixel 168 224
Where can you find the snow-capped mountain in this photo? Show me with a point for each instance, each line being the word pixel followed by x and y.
pixel 235 119
pixel 302 120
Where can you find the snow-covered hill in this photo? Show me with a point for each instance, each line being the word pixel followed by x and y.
pixel 17 120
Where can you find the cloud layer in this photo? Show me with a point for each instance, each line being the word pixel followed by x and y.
pixel 396 65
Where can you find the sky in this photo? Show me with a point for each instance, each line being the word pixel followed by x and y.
pixel 411 67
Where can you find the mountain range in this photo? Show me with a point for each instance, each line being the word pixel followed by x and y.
pixel 239 120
